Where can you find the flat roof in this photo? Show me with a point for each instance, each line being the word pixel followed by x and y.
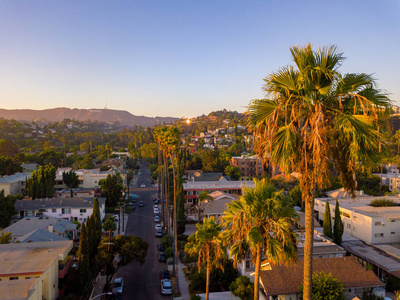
pixel 203 185
pixel 31 258
pixel 17 289
pixel 361 205
pixel 75 202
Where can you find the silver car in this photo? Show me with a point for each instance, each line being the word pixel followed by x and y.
pixel 166 287
pixel 118 286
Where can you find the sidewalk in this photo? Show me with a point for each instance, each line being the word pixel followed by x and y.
pixel 183 284
pixel 98 286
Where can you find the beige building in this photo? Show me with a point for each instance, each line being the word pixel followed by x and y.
pixel 32 270
pixel 14 184
pixel 250 166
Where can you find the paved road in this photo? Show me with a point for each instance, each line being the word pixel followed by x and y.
pixel 143 282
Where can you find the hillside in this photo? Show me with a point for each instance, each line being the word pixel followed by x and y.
pixel 102 115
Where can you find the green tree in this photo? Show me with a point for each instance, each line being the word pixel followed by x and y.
pixel 7 209
pixel 8 166
pixel 41 182
pixel 325 287
pixel 206 243
pixel 109 224
pixel 83 254
pixel 314 116
pixel 71 179
pixel 97 220
pixel 233 172
pixel 5 237
pixel 112 188
pixel 338 227
pixel 327 228
pixel 242 288
pixel 261 220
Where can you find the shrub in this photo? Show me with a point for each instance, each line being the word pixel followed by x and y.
pixel 164 240
pixel 382 203
pixel 243 288
pixel 195 297
pixel 169 252
pixel 325 287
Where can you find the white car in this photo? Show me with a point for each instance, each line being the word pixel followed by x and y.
pixel 166 287
pixel 156 210
pixel 158 227
pixel 143 185
pixel 157 219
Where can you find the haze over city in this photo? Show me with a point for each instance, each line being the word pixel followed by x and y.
pixel 180 58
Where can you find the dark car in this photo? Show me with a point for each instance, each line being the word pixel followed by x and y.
pixel 162 257
pixel 133 206
pixel 159 233
pixel 160 248
pixel 141 203
pixel 165 274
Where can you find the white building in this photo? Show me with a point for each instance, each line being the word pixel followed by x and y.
pixel 14 184
pixel 373 225
pixel 391 180
pixel 73 209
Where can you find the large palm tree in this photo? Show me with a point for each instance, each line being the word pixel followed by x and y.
pixel 206 243
pixel 314 116
pixel 202 197
pixel 261 220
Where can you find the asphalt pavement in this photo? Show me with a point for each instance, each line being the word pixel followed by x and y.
pixel 142 282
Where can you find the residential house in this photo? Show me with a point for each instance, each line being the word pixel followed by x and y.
pixel 26 226
pixel 34 271
pixel 282 282
pixel 73 209
pixel 14 184
pixel 216 207
pixel 391 179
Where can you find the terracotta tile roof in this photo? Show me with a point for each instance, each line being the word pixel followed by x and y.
pixel 286 280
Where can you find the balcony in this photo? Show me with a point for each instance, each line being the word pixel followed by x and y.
pixel 64 266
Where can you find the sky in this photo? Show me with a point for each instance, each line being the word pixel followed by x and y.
pixel 180 58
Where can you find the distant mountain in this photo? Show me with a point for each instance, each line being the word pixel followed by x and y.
pixel 101 115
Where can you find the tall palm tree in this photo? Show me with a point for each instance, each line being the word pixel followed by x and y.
pixel 206 243
pixel 202 197
pixel 314 116
pixel 261 220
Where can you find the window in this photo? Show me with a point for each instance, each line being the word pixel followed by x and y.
pixel 347 215
pixel 13 278
pixel 65 211
pixel 354 228
pixel 379 224
pixel 354 218
pixel 348 226
pixel 54 210
pixel 82 210
pixel 393 232
pixel 392 221
pixel 378 235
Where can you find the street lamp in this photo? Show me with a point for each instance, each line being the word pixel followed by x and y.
pixel 101 295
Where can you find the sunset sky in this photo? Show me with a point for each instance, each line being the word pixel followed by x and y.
pixel 180 58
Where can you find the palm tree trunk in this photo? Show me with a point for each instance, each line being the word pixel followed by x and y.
pixel 380 183
pixel 175 226
pixel 308 245
pixel 257 273
pixel 208 274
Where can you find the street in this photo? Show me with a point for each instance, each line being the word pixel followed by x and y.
pixel 143 282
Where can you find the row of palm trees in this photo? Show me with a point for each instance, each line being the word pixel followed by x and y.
pixel 260 222
pixel 313 120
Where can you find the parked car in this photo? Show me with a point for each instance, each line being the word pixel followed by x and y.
pixel 164 274
pixel 166 287
pixel 156 210
pixel 143 185
pixel 118 285
pixel 160 248
pixel 157 219
pixel 116 217
pixel 162 257
pixel 133 206
pixel 156 201
pixel 158 227
pixel 159 233
pixel 141 203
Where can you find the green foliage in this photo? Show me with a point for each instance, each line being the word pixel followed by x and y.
pixel 195 297
pixel 338 227
pixel 295 194
pixel 325 287
pixel 327 228
pixel 97 220
pixel 167 240
pixel 50 156
pixel 169 252
pixel 71 179
pixel 180 198
pixel 382 203
pixel 242 288
pixel 8 166
pixel 368 294
pixel 7 209
pixel 109 224
pixel 84 254
pixel 233 172
pixel 5 237
pixel 392 283
pixel 41 182
pixel 112 188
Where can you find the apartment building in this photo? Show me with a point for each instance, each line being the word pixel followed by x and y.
pixel 14 184
pixel 250 166
pixel 373 225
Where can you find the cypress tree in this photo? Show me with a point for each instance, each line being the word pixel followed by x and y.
pixel 338 227
pixel 83 254
pixel 97 220
pixel 327 222
pixel 90 236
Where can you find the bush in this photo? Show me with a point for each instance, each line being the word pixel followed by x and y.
pixel 169 252
pixel 243 288
pixel 195 297
pixel 325 287
pixel 164 240
pixel 382 203
pixel 392 283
